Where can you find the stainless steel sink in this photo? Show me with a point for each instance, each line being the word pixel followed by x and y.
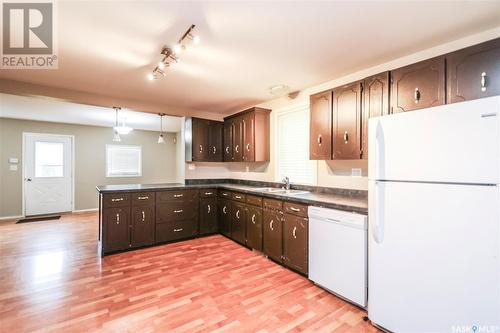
pixel 295 192
pixel 281 191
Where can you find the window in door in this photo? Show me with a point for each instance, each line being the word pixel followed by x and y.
pixel 49 157
pixel 123 161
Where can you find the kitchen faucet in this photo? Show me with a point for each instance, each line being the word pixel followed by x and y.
pixel 286 181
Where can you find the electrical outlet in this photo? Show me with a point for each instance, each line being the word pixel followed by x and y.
pixel 247 168
pixel 356 172
pixel 191 166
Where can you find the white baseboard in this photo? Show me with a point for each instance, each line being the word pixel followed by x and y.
pixel 86 210
pixel 11 217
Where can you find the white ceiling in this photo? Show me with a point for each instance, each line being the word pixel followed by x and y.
pixel 45 109
pixel 108 47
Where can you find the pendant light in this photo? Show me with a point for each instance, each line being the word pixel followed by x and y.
pixel 123 128
pixel 161 139
pixel 116 135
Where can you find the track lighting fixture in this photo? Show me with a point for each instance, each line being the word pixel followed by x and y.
pixel 171 55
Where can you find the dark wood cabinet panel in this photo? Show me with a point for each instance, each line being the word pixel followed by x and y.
pixel 238 222
pixel 295 243
pixel 143 225
pixel 474 72
pixel 272 244
pixel 215 141
pixel 200 138
pixel 272 204
pixel 208 216
pixel 295 208
pixel 181 195
pixel 143 198
pixel 254 227
pixel 208 193
pixel 237 139
pixel 175 211
pixel 320 141
pixel 204 140
pixel 228 141
pixel 116 200
pixel 347 121
pixel 175 230
pixel 117 222
pixel 238 197
pixel 248 122
pixel 375 104
pixel 225 217
pixel 254 200
pixel 418 86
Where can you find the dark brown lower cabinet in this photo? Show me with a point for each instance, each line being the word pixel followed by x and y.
pixel 143 226
pixel 295 242
pixel 254 227
pixel 117 222
pixel 238 222
pixel 272 234
pixel 174 230
pixel 225 217
pixel 208 216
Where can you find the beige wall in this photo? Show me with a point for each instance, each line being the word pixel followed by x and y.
pixel 159 161
pixel 329 173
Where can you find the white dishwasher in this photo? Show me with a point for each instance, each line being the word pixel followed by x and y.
pixel 338 252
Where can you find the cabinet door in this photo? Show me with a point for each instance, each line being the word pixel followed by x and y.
pixel 228 141
pixel 272 234
pixel 215 135
pixel 208 215
pixel 320 140
pixel 254 227
pixel 375 104
pixel 474 72
pixel 238 139
pixel 418 86
pixel 295 242
pixel 117 221
pixel 200 140
pixel 238 222
pixel 347 122
pixel 225 217
pixel 143 225
pixel 248 122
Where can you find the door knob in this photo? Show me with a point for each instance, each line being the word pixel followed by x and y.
pixel 28 179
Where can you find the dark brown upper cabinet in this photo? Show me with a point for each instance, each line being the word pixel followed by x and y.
pixel 474 72
pixel 246 136
pixel 204 139
pixel 346 106
pixel 320 140
pixel 418 86
pixel 375 104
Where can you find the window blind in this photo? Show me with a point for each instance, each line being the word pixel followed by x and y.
pixel 123 161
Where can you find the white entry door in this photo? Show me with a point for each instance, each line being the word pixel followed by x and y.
pixel 48 173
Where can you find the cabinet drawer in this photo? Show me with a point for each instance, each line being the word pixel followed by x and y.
pixel 143 199
pixel 272 204
pixel 176 211
pixel 238 197
pixel 254 200
pixel 295 209
pixel 208 193
pixel 115 200
pixel 225 194
pixel 166 232
pixel 181 195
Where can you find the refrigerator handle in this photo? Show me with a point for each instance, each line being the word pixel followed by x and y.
pixel 378 211
pixel 379 151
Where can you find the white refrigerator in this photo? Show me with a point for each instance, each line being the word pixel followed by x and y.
pixel 434 219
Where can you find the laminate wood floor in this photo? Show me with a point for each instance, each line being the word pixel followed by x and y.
pixel 52 280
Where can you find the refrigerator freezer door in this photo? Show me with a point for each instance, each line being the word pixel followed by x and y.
pixel 433 256
pixel 455 143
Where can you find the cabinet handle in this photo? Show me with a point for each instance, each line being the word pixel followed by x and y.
pixel 293 209
pixel 209 193
pixel 237 148
pixel 178 211
pixel 208 210
pixel 117 199
pixel 248 147
pixel 178 195
pixel 201 148
pixel 346 137
pixel 178 230
pixel 117 218
pixel 271 225
pixel 227 150
pixel 237 197
pixel 143 216
pixel 253 218
pixel 320 139
pixel 224 209
pixel 238 214
pixel 417 95
pixel 294 232
pixel 214 149
pixel 143 198
pixel 224 194
pixel 483 81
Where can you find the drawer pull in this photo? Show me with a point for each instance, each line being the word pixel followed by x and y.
pixel 117 199
pixel 346 137
pixel 320 140
pixel 294 232
pixel 237 148
pixel 208 210
pixel 178 230
pixel 417 95
pixel 224 209
pixel 225 194
pixel 253 218
pixel 178 211
pixel 237 197
pixel 143 216
pixel 214 149
pixel 248 147
pixel 238 214
pixel 178 195
pixel 117 218
pixel 209 193
pixel 143 198
pixel 293 209
pixel 271 225
pixel 483 81
pixel 227 150
pixel 201 148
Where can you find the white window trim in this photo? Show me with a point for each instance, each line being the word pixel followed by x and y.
pixel 108 175
pixel 282 111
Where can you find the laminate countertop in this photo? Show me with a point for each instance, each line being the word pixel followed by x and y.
pixel 342 201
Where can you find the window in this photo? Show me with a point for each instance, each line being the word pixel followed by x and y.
pixel 123 161
pixel 293 146
pixel 49 159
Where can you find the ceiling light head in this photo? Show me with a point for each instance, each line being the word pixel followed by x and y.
pixel 116 137
pixel 122 129
pixel 161 139
pixel 279 90
pixel 161 65
pixel 151 76
pixel 178 48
